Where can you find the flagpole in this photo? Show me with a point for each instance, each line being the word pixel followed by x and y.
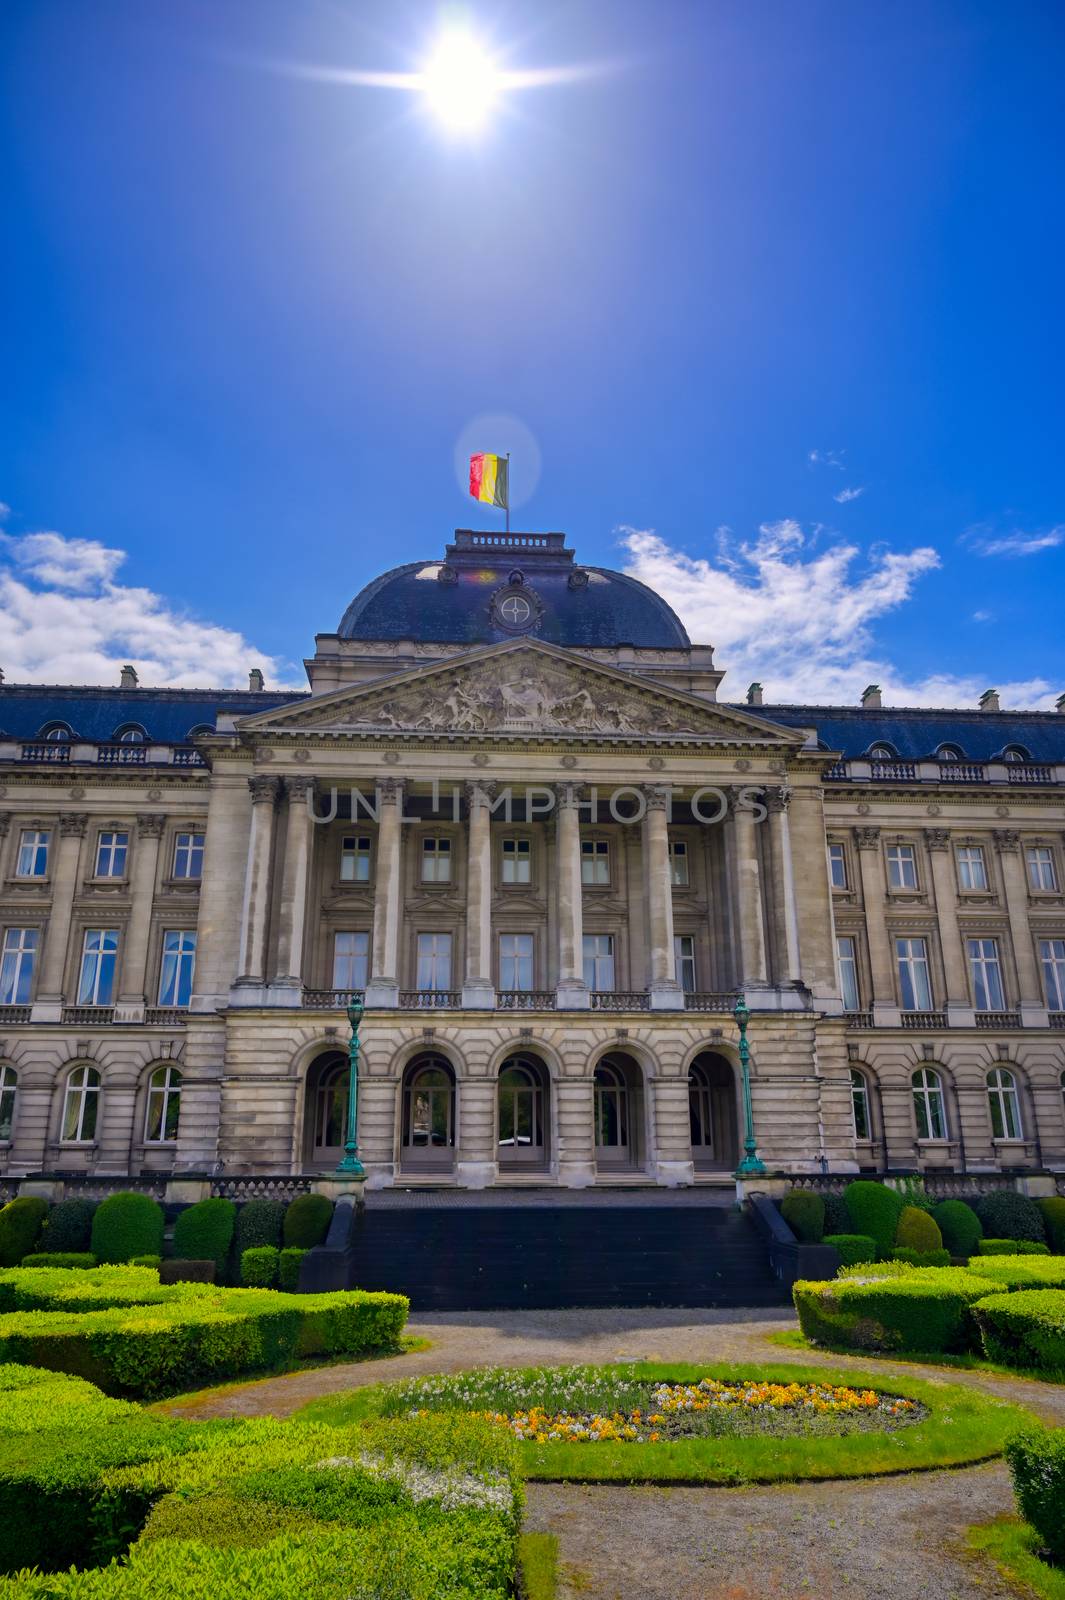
pixel 508 491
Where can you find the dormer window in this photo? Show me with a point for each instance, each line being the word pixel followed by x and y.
pixel 881 752
pixel 948 752
pixel 1013 753
pixel 57 733
pixel 132 735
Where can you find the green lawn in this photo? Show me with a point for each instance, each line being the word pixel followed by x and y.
pixel 1014 1548
pixel 538 1557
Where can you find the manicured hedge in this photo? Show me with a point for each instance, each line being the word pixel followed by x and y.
pixel 837 1217
pixel 307 1221
pixel 852 1247
pixel 1052 1211
pixel 1008 1215
pixel 21 1222
pixel 204 1231
pixel 921 1258
pixel 1024 1329
pixel 804 1213
pixel 919 1311
pixel 69 1226
pixel 94 1289
pixel 73 1260
pixel 1010 1247
pixel 917 1231
pixel 960 1226
pixel 259 1266
pixel 874 1210
pixel 259 1222
pixel 1037 1461
pixel 1022 1272
pixel 289 1264
pixel 127 1225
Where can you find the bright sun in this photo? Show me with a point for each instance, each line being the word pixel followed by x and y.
pixel 460 82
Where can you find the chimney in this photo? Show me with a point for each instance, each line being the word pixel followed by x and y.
pixel 989 700
pixel 871 700
pixel 256 681
pixel 128 677
pixel 754 694
pixel 1059 704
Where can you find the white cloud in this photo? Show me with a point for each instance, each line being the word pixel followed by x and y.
pixel 801 623
pixel 983 616
pixel 65 619
pixel 827 458
pixel 846 495
pixel 1017 544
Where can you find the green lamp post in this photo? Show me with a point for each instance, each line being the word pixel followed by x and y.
pixel 750 1166
pixel 350 1166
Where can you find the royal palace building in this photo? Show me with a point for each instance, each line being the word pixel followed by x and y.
pixel 514 815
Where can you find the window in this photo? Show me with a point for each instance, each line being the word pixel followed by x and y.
pixel 59 734
pixel 1004 1103
pixel 972 869
pixel 595 861
pixel 902 866
pixel 847 956
pixel 684 956
pixel 434 961
pixel 436 862
pixel 351 959
pixel 131 736
pixel 188 855
pixel 986 974
pixel 111 852
pixel 599 960
pixel 678 863
pixel 33 853
pixel 164 1106
pixel 8 1089
pixel 16 965
pixel 355 858
pixel 99 955
pixel 1052 955
pixel 81 1106
pixel 863 1127
pixel 928 1105
pixel 837 865
pixel 179 961
pixel 947 752
pixel 515 960
pixel 517 861
pixel 1014 754
pixel 881 752
pixel 1041 871
pixel 915 988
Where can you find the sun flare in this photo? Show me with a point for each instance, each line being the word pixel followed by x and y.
pixel 460 82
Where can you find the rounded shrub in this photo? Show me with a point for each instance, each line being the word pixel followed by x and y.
pixel 1037 1463
pixel 69 1226
pixel 1052 1211
pixel 960 1226
pixel 804 1213
pixel 259 1266
pixel 127 1225
pixel 21 1222
pixel 874 1210
pixel 204 1231
pixel 259 1222
pixel 1008 1215
pixel 837 1217
pixel 852 1247
pixel 146 1261
pixel 289 1268
pixel 307 1221
pixel 918 1231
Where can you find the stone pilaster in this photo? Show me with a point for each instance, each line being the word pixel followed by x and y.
pixel 572 989
pixel 478 990
pixel 575 1131
pixel 748 885
pixel 475 1159
pixel 48 1006
pixel 250 987
pixel 115 1131
pixel 958 1003
pixel 134 994
pixel 881 954
pixel 383 987
pixel 672 1124
pixel 287 987
pixel 777 801
pixel 1029 986
pixel 665 992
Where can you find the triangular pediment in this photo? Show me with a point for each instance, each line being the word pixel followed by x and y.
pixel 513 689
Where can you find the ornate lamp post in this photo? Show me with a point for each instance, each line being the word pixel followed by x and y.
pixel 750 1166
pixel 350 1166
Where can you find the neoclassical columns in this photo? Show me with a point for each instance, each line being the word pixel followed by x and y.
pixel 383 987
pixel 1030 989
pixel 748 888
pixel 665 992
pixel 777 801
pixel 958 1004
pixel 299 833
pixel 134 997
pixel 48 1006
pixel 478 991
pixel 881 964
pixel 253 929
pixel 572 989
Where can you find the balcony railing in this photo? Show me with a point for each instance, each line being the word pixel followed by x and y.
pixel 620 1000
pixel 1028 774
pixel 330 999
pixel 998 1019
pixel 894 771
pixel 14 1013
pixel 921 1021
pixel 52 750
pixel 836 773
pixel 1057 1019
pixel 964 772
pixel 122 755
pixel 429 999
pixel 89 1016
pixel 525 999
pixel 703 1000
pixel 858 1019
pixel 186 756
pixel 166 1016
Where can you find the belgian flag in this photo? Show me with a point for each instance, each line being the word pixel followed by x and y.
pixel 489 479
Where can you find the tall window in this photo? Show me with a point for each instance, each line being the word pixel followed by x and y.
pixel 1004 1103
pixel 434 961
pixel 1041 871
pixel 1052 955
pixel 164 1106
pixel 599 960
pixel 517 860
pixel 436 861
pixel 16 965
pixel 595 861
pixel 928 1105
pixel 837 865
pixel 111 851
pixel 678 863
pixel 515 960
pixel 8 1091
pixel 355 858
pixel 179 962
pixel 847 956
pixel 33 853
pixel 986 972
pixel 863 1127
pixel 902 866
pixel 99 955
pixel 684 957
pixel 188 855
pixel 972 869
pixel 81 1105
pixel 351 959
pixel 915 987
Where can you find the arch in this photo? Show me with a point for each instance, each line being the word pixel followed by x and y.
pixel 861 1105
pixel 881 750
pixel 523 1111
pixel 197 729
pixel 619 1112
pixel 162 1107
pixel 1004 1104
pixel 950 752
pixel 325 1116
pixel 81 1106
pixel 56 732
pixel 428 1124
pixel 1015 753
pixel 930 1103
pixel 8 1100
pixel 712 1112
pixel 129 733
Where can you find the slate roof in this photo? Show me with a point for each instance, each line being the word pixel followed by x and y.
pixel 913 734
pixel 96 714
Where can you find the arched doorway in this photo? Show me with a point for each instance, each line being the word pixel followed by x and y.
pixel 428 1139
pixel 522 1096
pixel 326 1116
pixel 618 1114
pixel 712 1113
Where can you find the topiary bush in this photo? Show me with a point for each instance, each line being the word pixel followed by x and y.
pixel 69 1260
pixel 960 1226
pixel 1037 1463
pixel 873 1210
pixel 1024 1329
pixel 1008 1215
pixel 1010 1247
pixel 1052 1211
pixel 804 1213
pixel 837 1217
pixel 147 1261
pixel 21 1222
pixel 921 1258
pixel 259 1266
pixel 307 1221
pixel 259 1222
pixel 204 1231
pixel 923 1310
pixel 917 1230
pixel 127 1225
pixel 289 1268
pixel 852 1247
pixel 69 1226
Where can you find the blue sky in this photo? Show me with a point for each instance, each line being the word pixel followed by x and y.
pixel 764 256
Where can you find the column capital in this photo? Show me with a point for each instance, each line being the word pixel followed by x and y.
pixel 299 787
pixel 263 789
pixel 479 789
pixel 658 796
pixel 72 824
pixel 777 800
pixel 390 790
pixel 569 795
pixel 1006 839
pixel 937 838
pixel 150 826
pixel 867 838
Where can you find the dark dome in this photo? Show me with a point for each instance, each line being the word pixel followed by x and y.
pixel 556 601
